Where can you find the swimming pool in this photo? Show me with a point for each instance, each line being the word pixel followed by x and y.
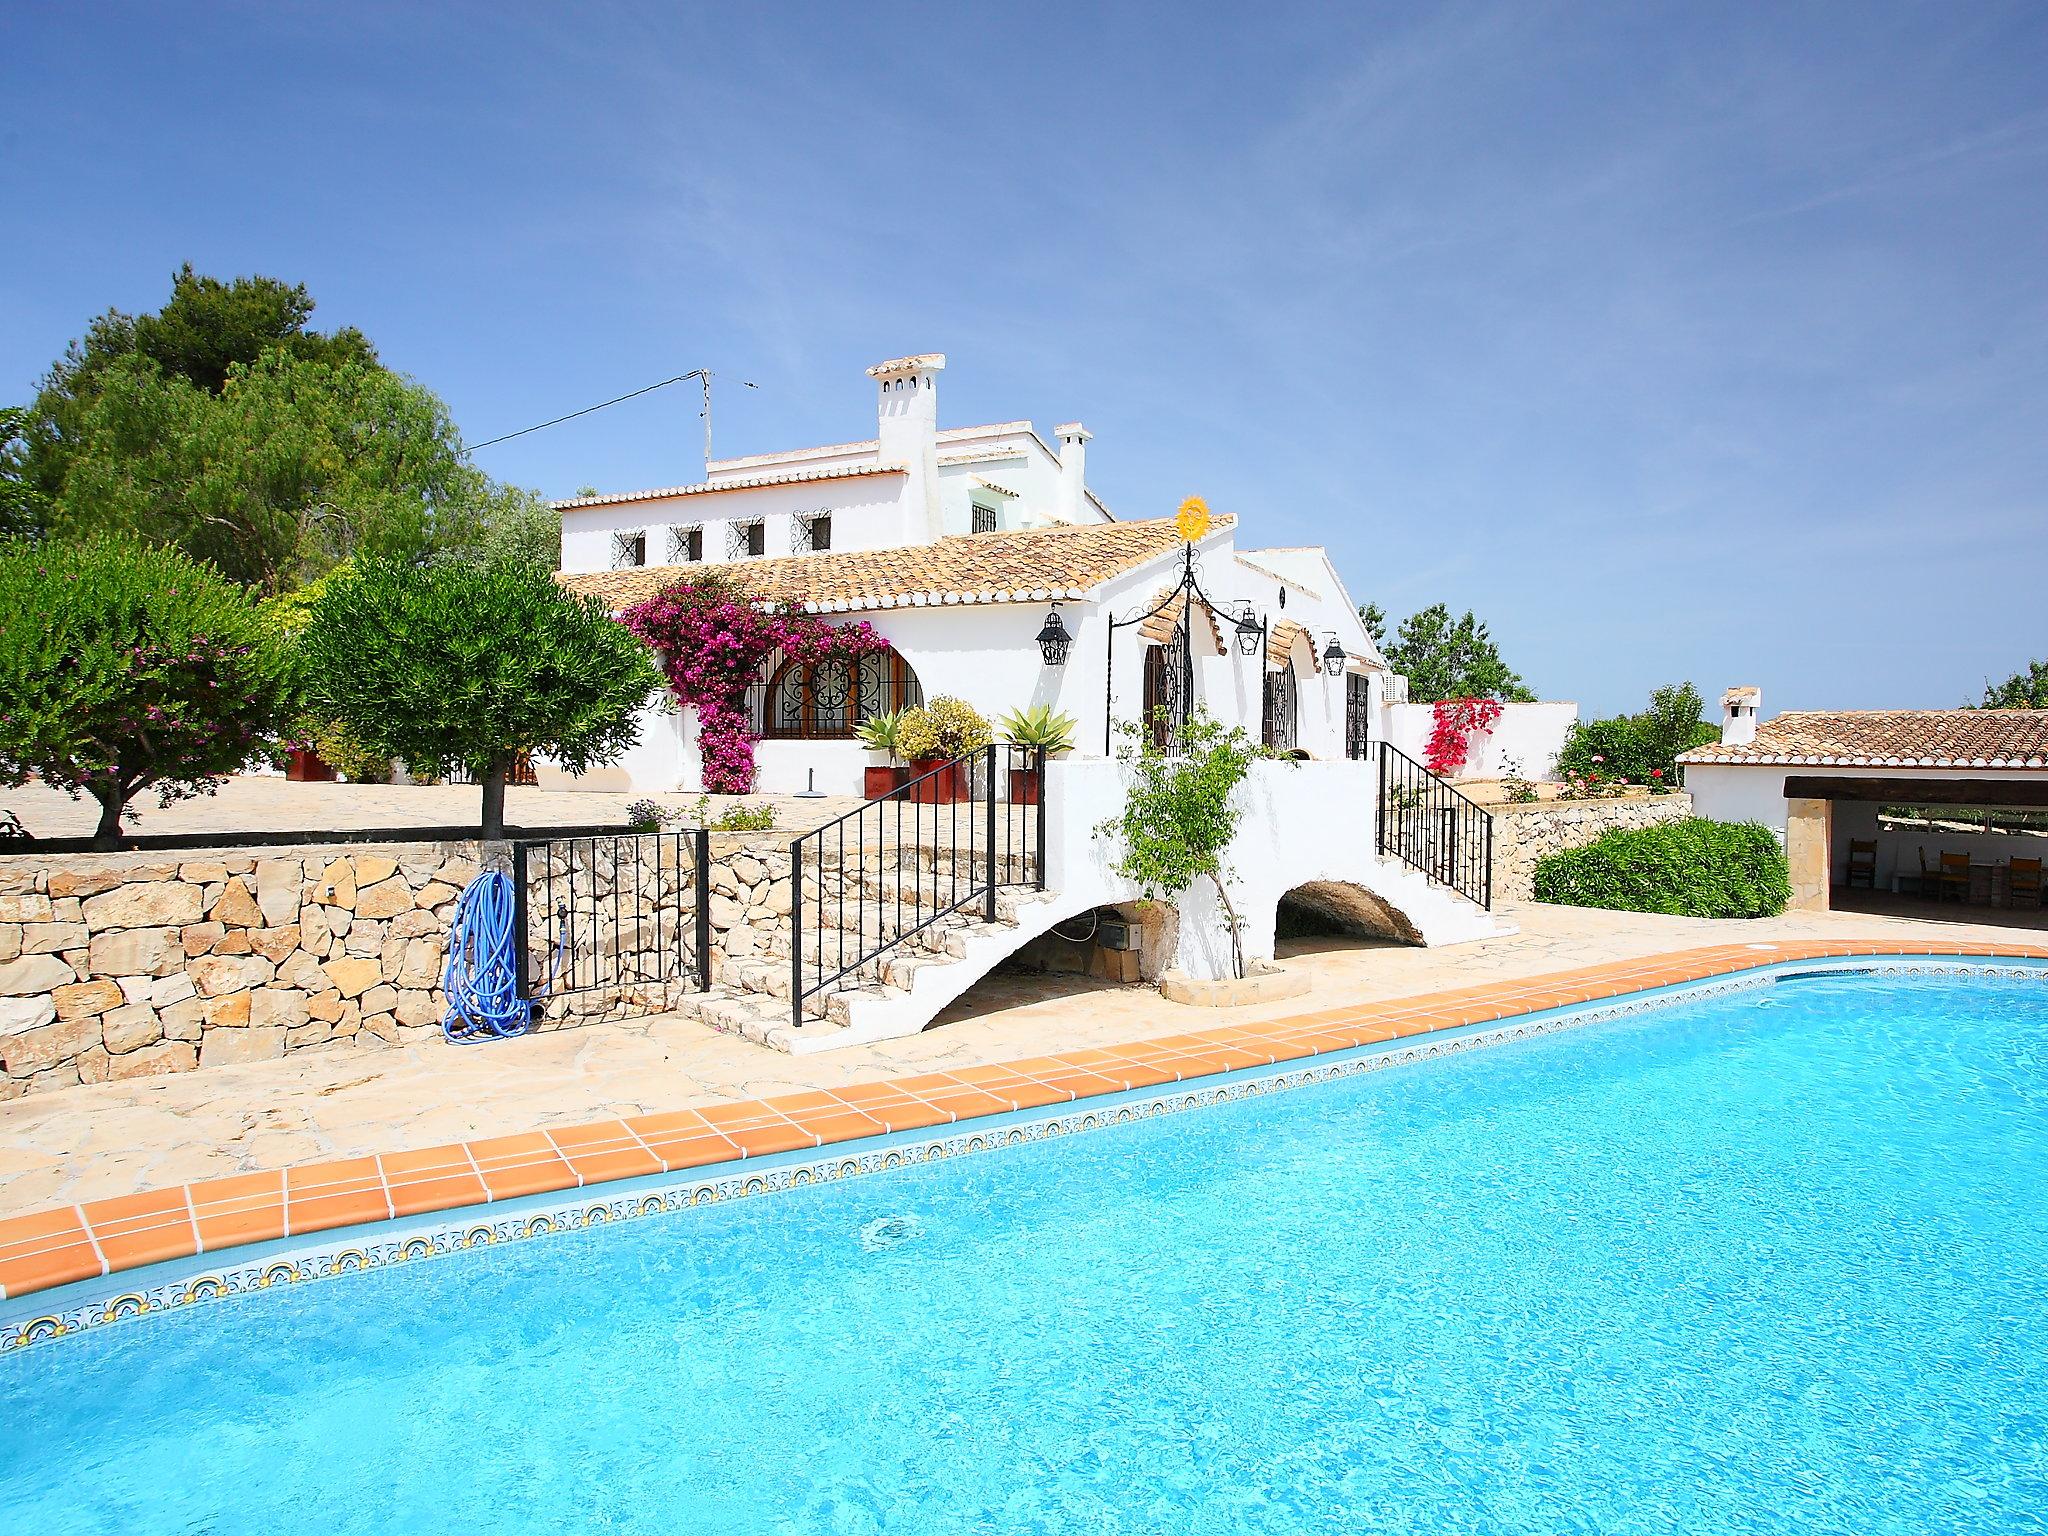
pixel 1765 1260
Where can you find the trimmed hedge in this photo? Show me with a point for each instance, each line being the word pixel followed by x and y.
pixel 1691 868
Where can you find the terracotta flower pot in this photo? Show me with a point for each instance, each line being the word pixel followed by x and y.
pixel 1024 786
pixel 302 765
pixel 930 786
pixel 880 779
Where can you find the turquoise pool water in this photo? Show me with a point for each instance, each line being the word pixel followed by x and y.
pixel 1770 1261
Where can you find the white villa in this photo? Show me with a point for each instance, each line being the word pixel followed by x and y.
pixel 956 545
pixel 997 576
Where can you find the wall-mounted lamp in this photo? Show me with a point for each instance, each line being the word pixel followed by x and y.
pixel 1251 631
pixel 1333 658
pixel 1053 639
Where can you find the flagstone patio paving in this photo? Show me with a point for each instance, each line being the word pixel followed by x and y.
pixel 110 1139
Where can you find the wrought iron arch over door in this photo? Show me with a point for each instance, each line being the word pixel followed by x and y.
pixel 825 700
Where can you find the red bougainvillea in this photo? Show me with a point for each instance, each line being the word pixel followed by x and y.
pixel 711 641
pixel 1454 722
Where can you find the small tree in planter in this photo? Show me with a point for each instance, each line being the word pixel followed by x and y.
pixel 934 735
pixel 125 667
pixel 1037 727
pixel 1182 814
pixel 469 664
pixel 882 733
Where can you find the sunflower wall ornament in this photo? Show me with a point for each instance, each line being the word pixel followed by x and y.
pixel 1192 519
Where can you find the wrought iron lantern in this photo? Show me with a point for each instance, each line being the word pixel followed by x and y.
pixel 1333 658
pixel 1251 631
pixel 1053 639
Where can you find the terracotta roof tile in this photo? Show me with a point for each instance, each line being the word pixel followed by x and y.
pixel 1280 644
pixel 1160 626
pixel 1900 738
pixel 1023 565
pixel 734 483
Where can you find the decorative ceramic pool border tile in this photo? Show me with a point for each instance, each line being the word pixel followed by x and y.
pixel 731 1181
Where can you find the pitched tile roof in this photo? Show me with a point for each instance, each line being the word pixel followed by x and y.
pixel 1021 565
pixel 1894 738
pixel 736 483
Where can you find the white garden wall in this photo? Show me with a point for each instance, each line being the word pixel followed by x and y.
pixel 1530 735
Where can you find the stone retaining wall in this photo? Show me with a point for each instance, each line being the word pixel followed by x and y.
pixel 1525 834
pixel 125 965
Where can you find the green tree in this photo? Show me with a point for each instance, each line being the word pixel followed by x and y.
pixel 1374 618
pixel 1181 815
pixel 205 329
pixel 2023 690
pixel 1641 748
pixel 21 509
pixel 469 663
pixel 125 667
pixel 292 467
pixel 1446 658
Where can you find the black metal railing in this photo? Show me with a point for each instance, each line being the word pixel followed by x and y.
pixel 948 839
pixel 1429 826
pixel 612 913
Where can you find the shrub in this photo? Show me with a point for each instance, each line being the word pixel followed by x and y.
pixel 1690 868
pixel 946 727
pixel 470 663
pixel 1641 748
pixel 125 667
pixel 1182 813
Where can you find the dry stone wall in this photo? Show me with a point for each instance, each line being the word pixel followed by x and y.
pixel 1523 835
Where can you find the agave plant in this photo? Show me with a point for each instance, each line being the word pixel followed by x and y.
pixel 882 732
pixel 1039 726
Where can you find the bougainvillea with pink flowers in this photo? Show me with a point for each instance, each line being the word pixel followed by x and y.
pixel 1453 722
pixel 711 640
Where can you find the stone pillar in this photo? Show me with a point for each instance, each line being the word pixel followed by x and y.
pixel 1809 828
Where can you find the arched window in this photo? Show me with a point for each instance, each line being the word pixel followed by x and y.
pixel 824 701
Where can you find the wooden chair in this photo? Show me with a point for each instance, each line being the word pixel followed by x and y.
pixel 2023 879
pixel 1862 864
pixel 1955 876
pixel 1930 877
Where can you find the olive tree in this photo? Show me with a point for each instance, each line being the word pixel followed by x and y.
pixel 125 667
pixel 453 663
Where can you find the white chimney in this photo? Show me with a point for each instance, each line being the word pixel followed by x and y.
pixel 1738 715
pixel 907 410
pixel 1073 502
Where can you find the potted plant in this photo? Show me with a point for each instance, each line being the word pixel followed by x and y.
pixel 934 737
pixel 1038 727
pixel 882 733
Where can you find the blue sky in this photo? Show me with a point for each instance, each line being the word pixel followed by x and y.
pixel 1677 340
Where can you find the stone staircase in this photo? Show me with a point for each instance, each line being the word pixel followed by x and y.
pixel 868 903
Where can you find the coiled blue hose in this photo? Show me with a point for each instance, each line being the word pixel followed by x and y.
pixel 482 975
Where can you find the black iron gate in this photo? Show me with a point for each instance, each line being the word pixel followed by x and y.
pixel 612 912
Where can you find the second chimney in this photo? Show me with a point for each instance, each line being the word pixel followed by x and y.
pixel 1738 715
pixel 907 413
pixel 1073 501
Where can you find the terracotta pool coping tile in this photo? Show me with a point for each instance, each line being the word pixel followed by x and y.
pixel 410 1197
pixel 50 1268
pixel 348 1208
pixel 509 1178
pixel 347 1173
pixel 597 1136
pixel 673 1122
pixel 1084 1085
pixel 497 1151
pixel 857 1093
pixel 633 1162
pixel 792 1104
pixel 680 1151
pixel 763 1140
pixel 145 1228
pixel 967 1104
pixel 446 1160
pixel 906 1114
pixel 1139 1074
pixel 845 1125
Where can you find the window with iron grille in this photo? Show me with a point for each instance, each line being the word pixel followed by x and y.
pixel 685 545
pixel 745 539
pixel 825 700
pixel 1357 715
pixel 811 533
pixel 984 518
pixel 629 547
